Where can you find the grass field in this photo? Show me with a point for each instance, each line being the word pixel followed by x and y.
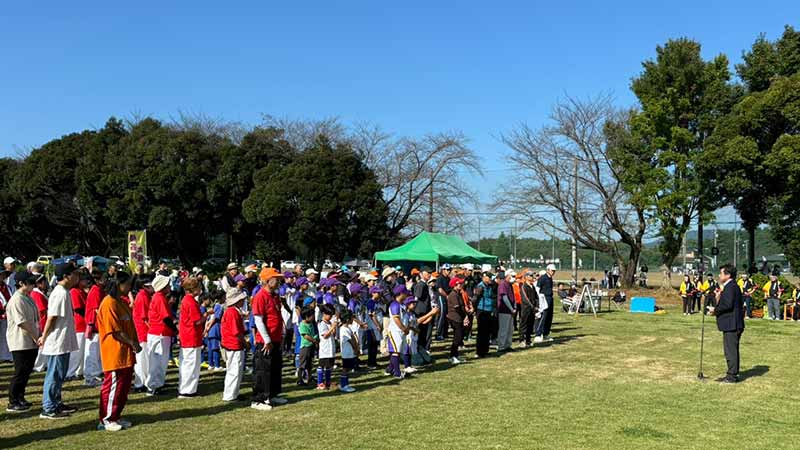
pixel 619 381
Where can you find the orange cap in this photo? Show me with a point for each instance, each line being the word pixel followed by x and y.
pixel 268 273
pixel 414 271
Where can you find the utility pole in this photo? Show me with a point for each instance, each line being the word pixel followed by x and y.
pixel 735 241
pixel 515 243
pixel 575 220
pixel 479 233
pixel 430 210
pixel 716 235
pixel 684 250
pixel 700 239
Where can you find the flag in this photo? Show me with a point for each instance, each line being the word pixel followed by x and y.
pixel 137 248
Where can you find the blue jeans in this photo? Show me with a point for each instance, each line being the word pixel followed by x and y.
pixel 56 374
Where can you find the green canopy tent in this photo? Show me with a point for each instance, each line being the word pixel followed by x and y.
pixel 435 248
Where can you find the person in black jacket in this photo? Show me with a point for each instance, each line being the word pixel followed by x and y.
pixel 730 319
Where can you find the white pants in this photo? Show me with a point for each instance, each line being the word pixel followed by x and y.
pixel 76 358
pixel 189 374
pixel 140 374
pixel 92 367
pixel 505 331
pixel 158 354
pixel 5 353
pixel 41 362
pixel 233 374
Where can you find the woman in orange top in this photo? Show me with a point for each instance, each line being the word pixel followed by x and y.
pixel 118 348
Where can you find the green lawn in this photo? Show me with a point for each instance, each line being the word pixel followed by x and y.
pixel 619 381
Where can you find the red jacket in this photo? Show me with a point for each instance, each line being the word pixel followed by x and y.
pixel 96 295
pixel 141 311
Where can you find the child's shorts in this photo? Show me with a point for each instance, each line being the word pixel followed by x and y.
pixel 306 357
pixel 349 363
pixel 326 363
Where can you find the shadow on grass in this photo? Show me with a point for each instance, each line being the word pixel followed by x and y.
pixel 753 372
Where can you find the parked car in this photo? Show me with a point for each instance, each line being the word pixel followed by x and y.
pixel 288 265
pixel 45 260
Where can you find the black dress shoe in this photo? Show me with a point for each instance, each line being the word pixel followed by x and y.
pixel 729 380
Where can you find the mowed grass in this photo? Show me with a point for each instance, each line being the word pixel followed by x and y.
pixel 619 381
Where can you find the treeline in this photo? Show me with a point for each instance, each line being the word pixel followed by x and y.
pixel 531 248
pixel 83 191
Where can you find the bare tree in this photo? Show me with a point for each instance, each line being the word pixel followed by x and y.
pixel 209 126
pixel 567 167
pixel 422 178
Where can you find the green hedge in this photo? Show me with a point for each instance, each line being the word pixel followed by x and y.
pixel 758 297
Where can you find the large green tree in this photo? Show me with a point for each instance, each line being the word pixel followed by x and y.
pixel 735 160
pixel 324 202
pixel 682 97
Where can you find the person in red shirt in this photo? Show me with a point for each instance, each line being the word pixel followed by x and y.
pixel 190 333
pixel 78 294
pixel 141 310
pixel 161 330
pixel 39 296
pixel 233 343
pixel 267 360
pixel 92 369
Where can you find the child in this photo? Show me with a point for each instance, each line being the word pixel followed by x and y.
pixel 349 345
pixel 374 318
pixel 327 335
pixel 309 340
pixel 397 331
pixel 212 332
pixel 410 321
pixel 234 343
pixel 300 305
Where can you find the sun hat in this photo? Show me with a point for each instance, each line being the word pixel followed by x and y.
pixel 234 296
pixel 160 282
pixel 388 271
pixel 551 267
pixel 310 271
pixel 232 266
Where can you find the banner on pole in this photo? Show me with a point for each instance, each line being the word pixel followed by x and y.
pixel 137 248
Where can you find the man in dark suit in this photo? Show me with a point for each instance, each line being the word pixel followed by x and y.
pixel 730 319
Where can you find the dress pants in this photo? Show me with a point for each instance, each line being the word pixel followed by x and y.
pixel 505 332
pixel 730 343
pixel 266 373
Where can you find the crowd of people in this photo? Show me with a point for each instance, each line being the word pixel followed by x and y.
pixel 121 332
pixel 698 293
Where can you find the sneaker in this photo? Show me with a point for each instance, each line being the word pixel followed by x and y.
pixel 275 401
pixel 91 383
pixel 17 408
pixel 111 426
pixel 139 390
pixel 523 345
pixel 548 339
pixel 454 361
pixel 537 339
pixel 219 369
pixel 67 409
pixel 261 406
pixel 411 370
pixel 53 415
pixel 187 395
pixel 204 365
pixel 152 392
pixel 125 423
pixel 321 387
pixel 347 389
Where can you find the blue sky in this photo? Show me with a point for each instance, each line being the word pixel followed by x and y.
pixel 411 67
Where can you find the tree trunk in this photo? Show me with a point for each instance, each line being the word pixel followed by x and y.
pixel 629 269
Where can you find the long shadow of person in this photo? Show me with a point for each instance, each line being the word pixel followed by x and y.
pixel 755 371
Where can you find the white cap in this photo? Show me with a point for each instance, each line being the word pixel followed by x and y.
pixel 9 260
pixel 551 267
pixel 511 273
pixel 310 271
pixel 542 272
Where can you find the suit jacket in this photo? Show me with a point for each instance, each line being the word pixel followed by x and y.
pixel 730 309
